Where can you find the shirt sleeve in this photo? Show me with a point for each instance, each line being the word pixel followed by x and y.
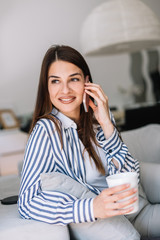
pixel 115 148
pixel 47 206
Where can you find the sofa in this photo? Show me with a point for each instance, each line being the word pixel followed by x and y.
pixel 144 144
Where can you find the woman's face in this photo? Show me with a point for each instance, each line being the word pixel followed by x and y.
pixel 66 88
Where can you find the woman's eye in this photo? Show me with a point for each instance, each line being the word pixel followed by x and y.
pixel 54 81
pixel 75 79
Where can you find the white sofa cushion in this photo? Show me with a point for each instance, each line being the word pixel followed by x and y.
pixel 144 143
pixel 150 178
pixel 56 181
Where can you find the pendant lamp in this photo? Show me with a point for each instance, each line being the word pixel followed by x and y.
pixel 120 26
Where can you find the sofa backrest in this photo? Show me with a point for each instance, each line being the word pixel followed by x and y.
pixel 144 143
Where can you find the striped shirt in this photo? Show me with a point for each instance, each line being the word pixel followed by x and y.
pixel 44 153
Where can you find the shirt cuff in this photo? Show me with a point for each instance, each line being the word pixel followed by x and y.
pixel 83 211
pixel 112 145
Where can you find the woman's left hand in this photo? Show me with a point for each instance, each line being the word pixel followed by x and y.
pixel 101 108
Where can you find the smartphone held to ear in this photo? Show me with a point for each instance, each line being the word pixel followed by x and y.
pixel 86 98
pixel 86 102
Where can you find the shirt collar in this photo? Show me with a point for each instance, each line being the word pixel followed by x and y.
pixel 66 121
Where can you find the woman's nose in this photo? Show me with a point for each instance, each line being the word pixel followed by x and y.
pixel 65 88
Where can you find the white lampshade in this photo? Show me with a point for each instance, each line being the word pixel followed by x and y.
pixel 120 26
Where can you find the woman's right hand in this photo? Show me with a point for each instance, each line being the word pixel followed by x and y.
pixel 106 203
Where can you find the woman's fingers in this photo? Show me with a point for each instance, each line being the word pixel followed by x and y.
pixel 122 203
pixel 96 91
pixel 122 195
pixel 116 189
pixel 94 94
pixel 89 84
pixel 112 213
pixel 114 201
pixel 98 99
pixel 92 105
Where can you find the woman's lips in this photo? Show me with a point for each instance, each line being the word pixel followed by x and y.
pixel 66 100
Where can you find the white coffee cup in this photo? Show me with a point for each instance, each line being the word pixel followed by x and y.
pixel 123 178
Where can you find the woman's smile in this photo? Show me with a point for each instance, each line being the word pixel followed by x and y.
pixel 66 100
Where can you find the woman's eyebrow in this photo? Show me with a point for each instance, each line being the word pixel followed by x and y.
pixel 75 74
pixel 53 76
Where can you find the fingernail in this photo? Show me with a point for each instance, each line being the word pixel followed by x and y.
pixel 135 189
pixel 127 185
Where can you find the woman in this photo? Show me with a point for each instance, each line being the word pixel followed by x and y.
pixel 85 147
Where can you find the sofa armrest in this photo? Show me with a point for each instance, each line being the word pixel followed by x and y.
pixel 150 180
pixel 12 226
pixel 9 186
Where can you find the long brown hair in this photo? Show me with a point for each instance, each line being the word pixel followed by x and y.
pixel 44 106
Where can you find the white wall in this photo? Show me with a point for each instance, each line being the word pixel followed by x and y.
pixel 29 27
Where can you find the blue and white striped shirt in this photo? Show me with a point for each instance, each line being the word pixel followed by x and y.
pixel 44 153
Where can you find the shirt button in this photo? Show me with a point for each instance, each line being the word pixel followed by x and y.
pixel 110 151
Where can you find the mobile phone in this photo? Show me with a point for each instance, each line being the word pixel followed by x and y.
pixel 10 200
pixel 86 98
pixel 86 102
